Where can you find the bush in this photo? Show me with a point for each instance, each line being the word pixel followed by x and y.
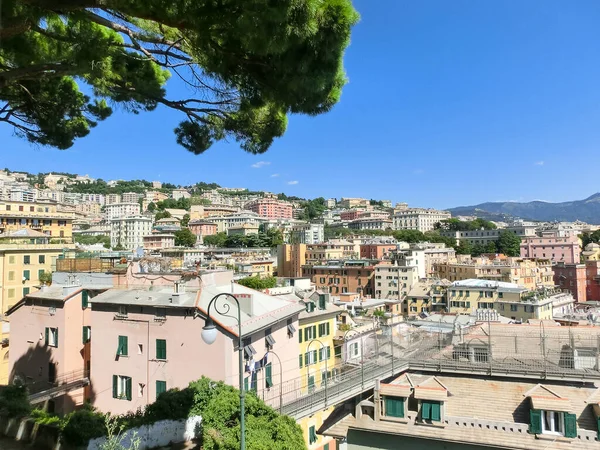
pixel 14 401
pixel 83 425
pixel 42 417
pixel 258 283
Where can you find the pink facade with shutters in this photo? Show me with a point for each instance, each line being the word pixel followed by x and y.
pixel 556 249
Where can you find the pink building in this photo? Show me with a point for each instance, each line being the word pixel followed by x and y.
pixel 271 208
pixel 352 214
pixel 158 241
pixel 202 227
pixel 148 339
pixel 376 251
pixel 557 249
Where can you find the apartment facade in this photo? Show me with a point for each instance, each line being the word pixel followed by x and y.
pixel 290 259
pixel 130 197
pixel 377 249
pixel 129 232
pixel 426 296
pixel 393 281
pixel 180 193
pixel 343 277
pixel 420 219
pixel 310 233
pixel 41 216
pixel 565 250
pixel 375 223
pixel 233 220
pixel 334 249
pixel 353 202
pixel 156 241
pixel 118 210
pixel 271 208
pixel 571 277
pixel 202 227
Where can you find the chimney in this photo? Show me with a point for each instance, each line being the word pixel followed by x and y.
pixel 72 285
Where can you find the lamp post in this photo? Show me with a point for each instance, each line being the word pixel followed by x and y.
pixel 362 365
pixel 323 347
pixel 271 352
pixel 209 335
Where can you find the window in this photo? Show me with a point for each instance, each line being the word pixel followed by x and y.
pixel 52 337
pixel 11 293
pixel 467 293
pixel 26 259
pixel 11 275
pixel 161 386
pixel 322 300
pixel 394 407
pixel 310 307
pixel 312 435
pixel 161 349
pixel 11 259
pixel 26 275
pixel 514 308
pixel 310 333
pixel 354 349
pixel 87 334
pixel 40 273
pixel 552 422
pixel 324 329
pixel 122 347
pixel 269 340
pixel 291 330
pixel 431 411
pixel 122 387
pixel 84 299
pixel 300 361
pixel 268 376
pixel 42 259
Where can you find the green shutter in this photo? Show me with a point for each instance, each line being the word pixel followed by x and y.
pixel 253 381
pixel 161 386
pixel 84 299
pixel 535 421
pixel 327 329
pixel 598 427
pixel 84 335
pixel 338 351
pixel 323 378
pixel 26 274
pixel 328 352
pixel 306 359
pixel 570 425
pixel 300 336
pixel 161 349
pixel 311 382
pixel 314 333
pixel 314 357
pixel 425 410
pixel 40 273
pixel 128 388
pixel 326 447
pixel 115 386
pixel 56 335
pixel 268 376
pixel 436 411
pixel 122 349
pixel 300 360
pixel 306 333
pixel 394 407
pixel 312 435
pixel 47 335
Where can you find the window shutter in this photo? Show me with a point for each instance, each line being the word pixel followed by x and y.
pixel 400 407
pixel 436 411
pixel 327 329
pixel 426 410
pixel 306 362
pixel 314 333
pixel 47 335
pixel 115 386
pixel 314 358
pixel 125 346
pixel 306 333
pixel 328 352
pixel 161 386
pixel 253 381
pixel 323 378
pixel 300 336
pixel 300 360
pixel 598 427
pixel 268 376
pixel 120 346
pixel 570 425
pixel 535 421
pixel 161 349
pixel 56 337
pixel 84 299
pixel 84 335
pixel 128 388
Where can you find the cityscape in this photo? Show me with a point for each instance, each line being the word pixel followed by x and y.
pixel 299 225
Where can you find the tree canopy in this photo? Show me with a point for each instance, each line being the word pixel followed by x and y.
pixel 509 243
pixel 185 238
pixel 271 238
pixel 247 65
pixel 465 225
pixel 258 283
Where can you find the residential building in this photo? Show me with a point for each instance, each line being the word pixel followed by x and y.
pixel 592 288
pixel 426 296
pixel 118 210
pixel 508 299
pixel 234 220
pixel 23 194
pixel 330 203
pixel 156 184
pixel 113 198
pixel 393 281
pixel 316 330
pixel 571 277
pixel 342 277
pixel 420 219
pixel 352 214
pixel 290 259
pixel 271 208
pixel 95 198
pixel 591 252
pixel 349 202
pixel 558 249
pixel 155 196
pixel 180 193
pixel 202 227
pixel 411 257
pixel 310 233
pixel 41 216
pixel 530 273
pixel 158 240
pixel 333 249
pixel 177 213
pixel 261 269
pixel 130 197
pixel 218 210
pixel 129 232
pixel 368 223
pixel 244 229
pixel 89 208
pixel 378 249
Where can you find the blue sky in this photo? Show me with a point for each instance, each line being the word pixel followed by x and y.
pixel 449 103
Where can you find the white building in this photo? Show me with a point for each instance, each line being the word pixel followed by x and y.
pixel 330 203
pixel 371 223
pixel 394 282
pixel 129 232
pixel 235 220
pixel 180 193
pixel 310 233
pixel 95 198
pixel 420 219
pixel 116 210
pixel 113 198
pixel 19 194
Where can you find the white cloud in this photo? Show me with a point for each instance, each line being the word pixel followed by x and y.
pixel 418 171
pixel 539 163
pixel 275 175
pixel 292 182
pixel 260 164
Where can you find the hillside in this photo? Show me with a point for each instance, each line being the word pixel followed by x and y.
pixel 587 210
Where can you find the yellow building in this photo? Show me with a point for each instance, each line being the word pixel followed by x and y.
pixel 530 273
pixel 509 300
pixel 290 259
pixel 317 327
pixel 591 252
pixel 40 216
pixel 261 269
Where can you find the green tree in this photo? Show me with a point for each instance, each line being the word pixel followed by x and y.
pixel 161 214
pixel 14 401
pixel 258 283
pixel 249 64
pixel 216 240
pixel 509 243
pixel 46 278
pixel 477 249
pixel 185 220
pixel 151 207
pixel 490 247
pixel 410 236
pixel 464 247
pixel 185 238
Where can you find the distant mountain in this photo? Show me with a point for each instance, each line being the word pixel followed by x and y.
pixel 587 210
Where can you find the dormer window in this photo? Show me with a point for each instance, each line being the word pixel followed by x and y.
pixel 550 413
pixel 394 407
pixel 431 411
pixel 310 307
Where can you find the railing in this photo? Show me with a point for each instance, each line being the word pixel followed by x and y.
pixel 37 387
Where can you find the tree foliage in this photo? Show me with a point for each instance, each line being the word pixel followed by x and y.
pixel 464 247
pixel 170 203
pixel 247 64
pixel 509 243
pixel 14 401
pixel 588 238
pixel 465 225
pixel 271 238
pixel 162 214
pixel 185 220
pixel 313 208
pixel 91 240
pixel 258 283
pixel 185 238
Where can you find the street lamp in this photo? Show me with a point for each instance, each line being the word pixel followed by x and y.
pixel 323 347
pixel 209 335
pixel 362 361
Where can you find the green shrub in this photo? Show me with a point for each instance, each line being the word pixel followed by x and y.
pixel 42 417
pixel 14 401
pixel 83 425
